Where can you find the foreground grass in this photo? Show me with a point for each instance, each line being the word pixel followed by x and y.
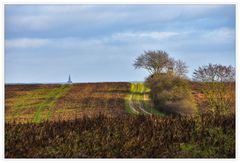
pixel 204 136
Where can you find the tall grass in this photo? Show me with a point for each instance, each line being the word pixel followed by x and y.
pixel 204 136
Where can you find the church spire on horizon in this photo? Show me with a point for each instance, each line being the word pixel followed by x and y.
pixel 69 80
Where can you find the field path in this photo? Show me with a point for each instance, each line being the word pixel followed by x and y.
pixel 138 102
pixel 132 105
pixel 136 99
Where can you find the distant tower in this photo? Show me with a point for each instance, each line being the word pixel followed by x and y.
pixel 69 80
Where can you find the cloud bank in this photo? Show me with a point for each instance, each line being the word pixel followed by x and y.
pixel 44 43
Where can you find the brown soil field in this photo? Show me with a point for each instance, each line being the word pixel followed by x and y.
pixel 90 99
pixel 34 103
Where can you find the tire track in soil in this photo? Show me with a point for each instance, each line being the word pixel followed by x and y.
pixel 137 106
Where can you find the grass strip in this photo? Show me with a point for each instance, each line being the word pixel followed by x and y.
pixel 50 101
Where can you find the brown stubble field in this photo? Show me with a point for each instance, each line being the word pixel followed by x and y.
pixel 89 99
pixel 35 103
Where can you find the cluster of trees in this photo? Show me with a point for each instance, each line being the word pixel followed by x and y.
pixel 170 89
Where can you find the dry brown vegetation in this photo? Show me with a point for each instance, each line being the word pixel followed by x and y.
pixel 92 98
pixel 171 94
pixel 201 100
pixel 35 103
pixel 205 136
pixel 91 120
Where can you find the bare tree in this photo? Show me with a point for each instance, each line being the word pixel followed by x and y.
pixel 154 61
pixel 157 62
pixel 217 86
pixel 180 69
pixel 214 73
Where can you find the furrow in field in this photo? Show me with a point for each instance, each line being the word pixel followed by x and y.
pixel 142 108
pixel 131 105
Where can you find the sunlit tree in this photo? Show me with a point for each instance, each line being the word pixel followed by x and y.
pixel 218 84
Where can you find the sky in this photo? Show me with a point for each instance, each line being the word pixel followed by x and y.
pixel 97 43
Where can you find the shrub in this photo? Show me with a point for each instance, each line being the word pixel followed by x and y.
pixel 171 94
pixel 218 87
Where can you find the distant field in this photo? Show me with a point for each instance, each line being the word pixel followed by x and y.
pixel 54 102
pixel 90 99
pixel 35 103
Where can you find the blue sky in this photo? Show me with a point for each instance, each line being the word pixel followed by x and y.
pixel 94 43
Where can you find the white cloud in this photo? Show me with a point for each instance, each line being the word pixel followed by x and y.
pixel 198 11
pixel 26 43
pixel 33 22
pixel 222 35
pixel 143 35
pixel 146 40
pixel 77 42
pixel 45 17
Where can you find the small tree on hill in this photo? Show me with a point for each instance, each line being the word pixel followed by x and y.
pixel 155 62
